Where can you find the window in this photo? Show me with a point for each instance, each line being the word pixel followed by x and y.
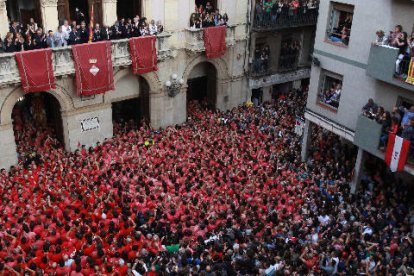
pixel 330 89
pixel 289 53
pixel 340 23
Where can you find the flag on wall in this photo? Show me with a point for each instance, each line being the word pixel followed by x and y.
pixel 396 153
pixel 36 70
pixel 410 78
pixel 93 67
pixel 143 54
pixel 215 41
pixel 91 25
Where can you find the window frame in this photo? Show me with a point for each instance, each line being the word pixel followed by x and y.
pixel 323 85
pixel 333 20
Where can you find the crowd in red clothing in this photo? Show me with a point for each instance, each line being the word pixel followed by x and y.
pixel 223 194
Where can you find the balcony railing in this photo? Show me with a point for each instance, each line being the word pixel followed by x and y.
pixel 382 66
pixel 194 40
pixel 63 63
pixel 287 18
pixel 287 63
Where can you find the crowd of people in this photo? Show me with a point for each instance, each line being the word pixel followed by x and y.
pixel 223 194
pixel 207 16
pixel 261 60
pixel 399 121
pixel 405 44
pixel 289 54
pixel 32 36
pixel 271 13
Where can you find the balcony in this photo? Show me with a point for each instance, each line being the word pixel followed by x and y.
pixel 63 60
pixel 381 66
pixel 270 77
pixel 367 135
pixel 194 39
pixel 288 18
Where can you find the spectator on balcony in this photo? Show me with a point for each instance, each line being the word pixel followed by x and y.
pixel 39 39
pixel 28 43
pixel 209 8
pixel 408 114
pixel 79 15
pixel 115 31
pixel 386 128
pixel 9 46
pixel 31 27
pixel 83 33
pixel 19 41
pixel 402 44
pixel 394 35
pixel 106 33
pixel 153 28
pixel 381 38
pixel 50 41
pixel 267 7
pixel 61 37
pixel 195 22
pixel 160 27
pixel 259 13
pixel 97 33
pixel 370 108
pixel 74 37
pixel 15 27
pixel 66 28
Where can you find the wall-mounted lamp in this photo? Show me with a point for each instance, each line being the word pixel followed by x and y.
pixel 174 85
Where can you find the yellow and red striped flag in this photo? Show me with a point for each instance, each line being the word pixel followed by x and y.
pixel 91 25
pixel 410 78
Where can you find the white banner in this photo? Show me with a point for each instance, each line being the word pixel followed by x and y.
pixel 90 124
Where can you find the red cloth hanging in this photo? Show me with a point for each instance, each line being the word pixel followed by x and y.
pixel 36 70
pixel 93 67
pixel 143 54
pixel 215 41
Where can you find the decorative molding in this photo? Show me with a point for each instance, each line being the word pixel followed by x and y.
pixel 48 3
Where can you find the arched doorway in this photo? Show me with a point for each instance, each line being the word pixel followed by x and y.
pixel 202 85
pixel 37 123
pixel 129 8
pixel 21 11
pixel 130 113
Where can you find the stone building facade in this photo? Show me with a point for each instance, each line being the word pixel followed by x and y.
pixel 180 55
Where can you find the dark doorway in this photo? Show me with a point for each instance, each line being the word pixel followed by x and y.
pixel 197 89
pixel 83 7
pixel 127 112
pixel 22 11
pixel 204 2
pixel 257 96
pixel 202 85
pixel 36 117
pixel 128 8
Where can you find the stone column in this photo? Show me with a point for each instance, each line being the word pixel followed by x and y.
pixel 359 164
pixel 97 126
pixel 50 17
pixel 8 156
pixel 109 14
pixel 306 140
pixel 4 23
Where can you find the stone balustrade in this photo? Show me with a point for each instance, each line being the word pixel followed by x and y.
pixel 63 63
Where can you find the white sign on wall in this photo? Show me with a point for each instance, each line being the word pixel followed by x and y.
pixel 299 126
pixel 90 124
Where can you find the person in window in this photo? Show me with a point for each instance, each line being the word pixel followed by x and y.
pixel 15 27
pixel 116 32
pixel 28 43
pixel 79 15
pixel 9 46
pixel 402 45
pixel 225 19
pixel 208 22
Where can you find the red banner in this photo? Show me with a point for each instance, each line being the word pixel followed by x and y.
pixel 215 41
pixel 143 54
pixel 36 70
pixel 397 152
pixel 93 66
